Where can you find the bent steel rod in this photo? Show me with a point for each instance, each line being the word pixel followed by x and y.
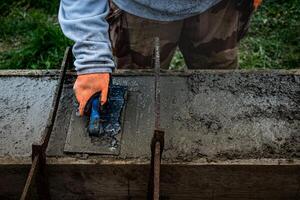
pixel 157 82
pixel 37 173
pixel 157 145
pixel 157 142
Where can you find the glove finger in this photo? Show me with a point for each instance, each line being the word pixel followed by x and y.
pixel 82 99
pixel 81 109
pixel 104 93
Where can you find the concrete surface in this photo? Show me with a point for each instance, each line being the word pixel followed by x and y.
pixel 25 104
pixel 79 141
pixel 229 135
pixel 225 115
pixel 212 115
pixel 232 116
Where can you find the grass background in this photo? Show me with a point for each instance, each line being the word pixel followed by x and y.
pixel 30 37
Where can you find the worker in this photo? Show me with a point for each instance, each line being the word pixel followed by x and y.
pixel 120 33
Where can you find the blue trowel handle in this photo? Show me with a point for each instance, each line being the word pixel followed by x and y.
pixel 94 124
pixel 95 111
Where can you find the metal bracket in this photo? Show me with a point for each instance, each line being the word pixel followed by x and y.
pixel 157 146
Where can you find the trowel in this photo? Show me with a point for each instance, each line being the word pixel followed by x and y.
pixel 99 132
pixel 105 119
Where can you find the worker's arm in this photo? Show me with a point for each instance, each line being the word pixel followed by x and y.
pixel 83 21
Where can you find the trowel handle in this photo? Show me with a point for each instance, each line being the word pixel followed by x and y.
pixel 95 110
pixel 94 123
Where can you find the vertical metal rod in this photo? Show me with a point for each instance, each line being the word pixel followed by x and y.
pixel 157 81
pixel 156 160
pixel 37 175
pixel 157 146
pixel 30 179
pixel 156 174
pixel 157 143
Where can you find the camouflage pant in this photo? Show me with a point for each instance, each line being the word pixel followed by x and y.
pixel 207 41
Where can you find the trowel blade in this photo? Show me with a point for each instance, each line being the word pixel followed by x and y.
pixel 78 139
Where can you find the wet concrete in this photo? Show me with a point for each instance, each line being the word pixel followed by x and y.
pixel 79 141
pixel 25 107
pixel 62 121
pixel 107 140
pixel 212 116
pixel 137 124
pixel 217 116
pixel 232 116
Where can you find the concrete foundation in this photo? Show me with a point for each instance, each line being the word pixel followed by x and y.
pixel 229 135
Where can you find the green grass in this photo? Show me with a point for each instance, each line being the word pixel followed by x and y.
pixel 49 7
pixel 274 37
pixel 30 37
pixel 273 40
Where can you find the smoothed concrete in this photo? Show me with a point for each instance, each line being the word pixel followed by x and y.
pixel 228 115
pixel 232 116
pixel 79 141
pixel 213 115
pixel 25 104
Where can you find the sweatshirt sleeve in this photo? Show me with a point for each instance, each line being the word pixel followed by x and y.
pixel 83 21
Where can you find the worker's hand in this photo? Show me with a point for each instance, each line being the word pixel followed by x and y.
pixel 87 85
pixel 256 3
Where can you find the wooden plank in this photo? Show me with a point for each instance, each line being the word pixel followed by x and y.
pixel 13 178
pixel 177 182
pixel 156 176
